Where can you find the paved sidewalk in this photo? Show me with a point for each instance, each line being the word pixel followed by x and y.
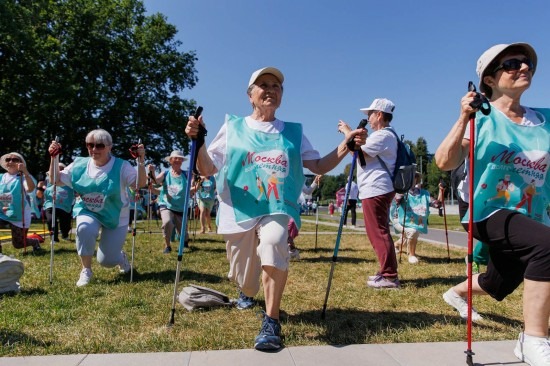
pixel 399 354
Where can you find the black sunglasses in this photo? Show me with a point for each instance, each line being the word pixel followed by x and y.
pixel 91 145
pixel 514 64
pixel 15 160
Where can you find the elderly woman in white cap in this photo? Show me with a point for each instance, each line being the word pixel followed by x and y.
pixel 248 153
pixel 101 181
pixel 64 200
pixel 15 185
pixel 172 197
pixel 513 140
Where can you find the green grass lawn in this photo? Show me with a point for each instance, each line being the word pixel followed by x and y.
pixel 112 315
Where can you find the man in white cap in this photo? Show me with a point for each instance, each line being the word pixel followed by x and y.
pixel 376 189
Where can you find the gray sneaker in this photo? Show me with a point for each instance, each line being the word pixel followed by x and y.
pixel 383 282
pixel 460 304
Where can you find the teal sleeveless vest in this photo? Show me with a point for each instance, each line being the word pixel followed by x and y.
pixel 511 166
pixel 207 189
pixel 10 201
pixel 172 193
pixel 418 211
pixel 100 198
pixel 260 177
pixel 64 199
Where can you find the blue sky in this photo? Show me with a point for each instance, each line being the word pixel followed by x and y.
pixel 337 56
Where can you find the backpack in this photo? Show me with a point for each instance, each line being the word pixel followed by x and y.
pixel 11 270
pixel 197 297
pixel 405 166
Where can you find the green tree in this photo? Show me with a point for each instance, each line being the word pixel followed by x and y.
pixel 420 150
pixel 69 66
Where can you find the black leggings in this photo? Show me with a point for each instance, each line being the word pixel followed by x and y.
pixel 519 248
pixel 63 222
pixel 352 206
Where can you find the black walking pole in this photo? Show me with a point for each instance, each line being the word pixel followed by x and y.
pixel 135 155
pixel 356 153
pixel 405 199
pixel 192 163
pixel 316 222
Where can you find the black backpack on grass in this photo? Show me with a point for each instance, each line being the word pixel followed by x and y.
pixel 405 166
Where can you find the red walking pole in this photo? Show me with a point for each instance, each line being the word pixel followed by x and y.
pixel 482 104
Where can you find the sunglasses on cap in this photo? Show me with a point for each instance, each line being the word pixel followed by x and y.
pixel 14 160
pixel 514 64
pixel 91 145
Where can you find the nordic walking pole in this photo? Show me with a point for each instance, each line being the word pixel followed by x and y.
pixel 362 124
pixel 23 211
pixel 192 162
pixel 135 155
pixel 480 103
pixel 445 220
pixel 316 222
pixel 406 200
pixel 54 221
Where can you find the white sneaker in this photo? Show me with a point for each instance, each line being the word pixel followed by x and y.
pixel 413 259
pixel 460 304
pixel 533 351
pixel 124 265
pixel 85 277
pixel 294 254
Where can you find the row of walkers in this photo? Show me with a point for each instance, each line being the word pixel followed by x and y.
pixel 250 154
pixel 105 187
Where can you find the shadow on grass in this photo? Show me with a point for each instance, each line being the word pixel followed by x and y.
pixel 168 276
pixel 339 259
pixel 24 293
pixel 341 249
pixel 430 281
pixel 437 260
pixel 13 339
pixel 348 326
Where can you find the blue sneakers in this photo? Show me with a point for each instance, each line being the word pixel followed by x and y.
pixel 244 302
pixel 269 338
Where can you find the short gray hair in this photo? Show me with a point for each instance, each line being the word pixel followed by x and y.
pixel 100 136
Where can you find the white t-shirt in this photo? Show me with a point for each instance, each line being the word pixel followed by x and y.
pixel 218 151
pixel 530 118
pixel 8 178
pixel 354 191
pixel 127 178
pixel 373 179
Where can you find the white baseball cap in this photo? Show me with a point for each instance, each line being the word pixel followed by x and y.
pixel 380 104
pixel 494 52
pixel 266 70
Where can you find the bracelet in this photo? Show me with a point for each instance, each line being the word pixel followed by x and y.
pixel 141 163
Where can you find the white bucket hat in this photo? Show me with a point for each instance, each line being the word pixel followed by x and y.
pixel 175 154
pixel 3 162
pixel 494 52
pixel 380 104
